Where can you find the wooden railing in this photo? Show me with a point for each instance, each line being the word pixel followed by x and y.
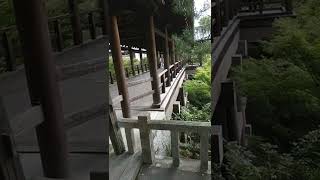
pixel 225 10
pixel 204 129
pixel 61 37
pixel 140 69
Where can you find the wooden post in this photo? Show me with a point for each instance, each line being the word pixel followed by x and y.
pixel 121 78
pixel 217 14
pixel 138 69
pixel 204 147
pixel 59 38
pixel 43 86
pixel 10 165
pixel 104 16
pixel 119 68
pixel 141 59
pixel 75 21
pixel 163 87
pixel 217 147
pixel 92 26
pixel 111 78
pixel 127 73
pixel 176 109
pixel 114 132
pixel 288 4
pixel 167 58
pixel 146 140
pixel 131 61
pixel 152 57
pixel 146 67
pixel 175 148
pixel 226 13
pixel 173 60
pixel 10 58
pixel 260 6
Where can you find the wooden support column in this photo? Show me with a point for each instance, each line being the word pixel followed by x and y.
pixel 131 61
pixel 114 131
pixel 173 56
pixel 32 25
pixel 10 165
pixel 104 16
pixel 167 59
pixel 119 68
pixel 141 59
pixel 121 79
pixel 152 57
pixel 217 14
pixel 75 21
pixel 226 12
pixel 10 58
pixel 158 59
pixel 58 33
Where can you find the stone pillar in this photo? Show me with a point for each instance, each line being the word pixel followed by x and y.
pixel 152 57
pixel 146 140
pixel 32 25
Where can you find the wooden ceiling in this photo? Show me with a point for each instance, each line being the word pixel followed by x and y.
pixel 133 18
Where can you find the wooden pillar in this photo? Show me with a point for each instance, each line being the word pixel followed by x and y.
pixel 173 56
pixel 152 57
pixel 114 131
pixel 58 33
pixel 119 68
pixel 131 61
pixel 92 26
pixel 75 21
pixel 226 13
pixel 10 165
pixel 167 58
pixel 32 25
pixel 141 59
pixel 217 14
pixel 104 16
pixel 121 79
pixel 158 59
pixel 10 58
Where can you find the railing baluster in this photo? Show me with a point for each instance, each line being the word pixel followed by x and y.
pixel 92 26
pixel 58 33
pixel 130 140
pixel 10 58
pixel 175 148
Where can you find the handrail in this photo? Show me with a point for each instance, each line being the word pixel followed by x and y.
pixel 204 129
pixel 162 72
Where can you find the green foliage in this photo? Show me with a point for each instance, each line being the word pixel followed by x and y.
pixel 263 161
pixel 281 95
pixel 199 89
pixel 192 113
